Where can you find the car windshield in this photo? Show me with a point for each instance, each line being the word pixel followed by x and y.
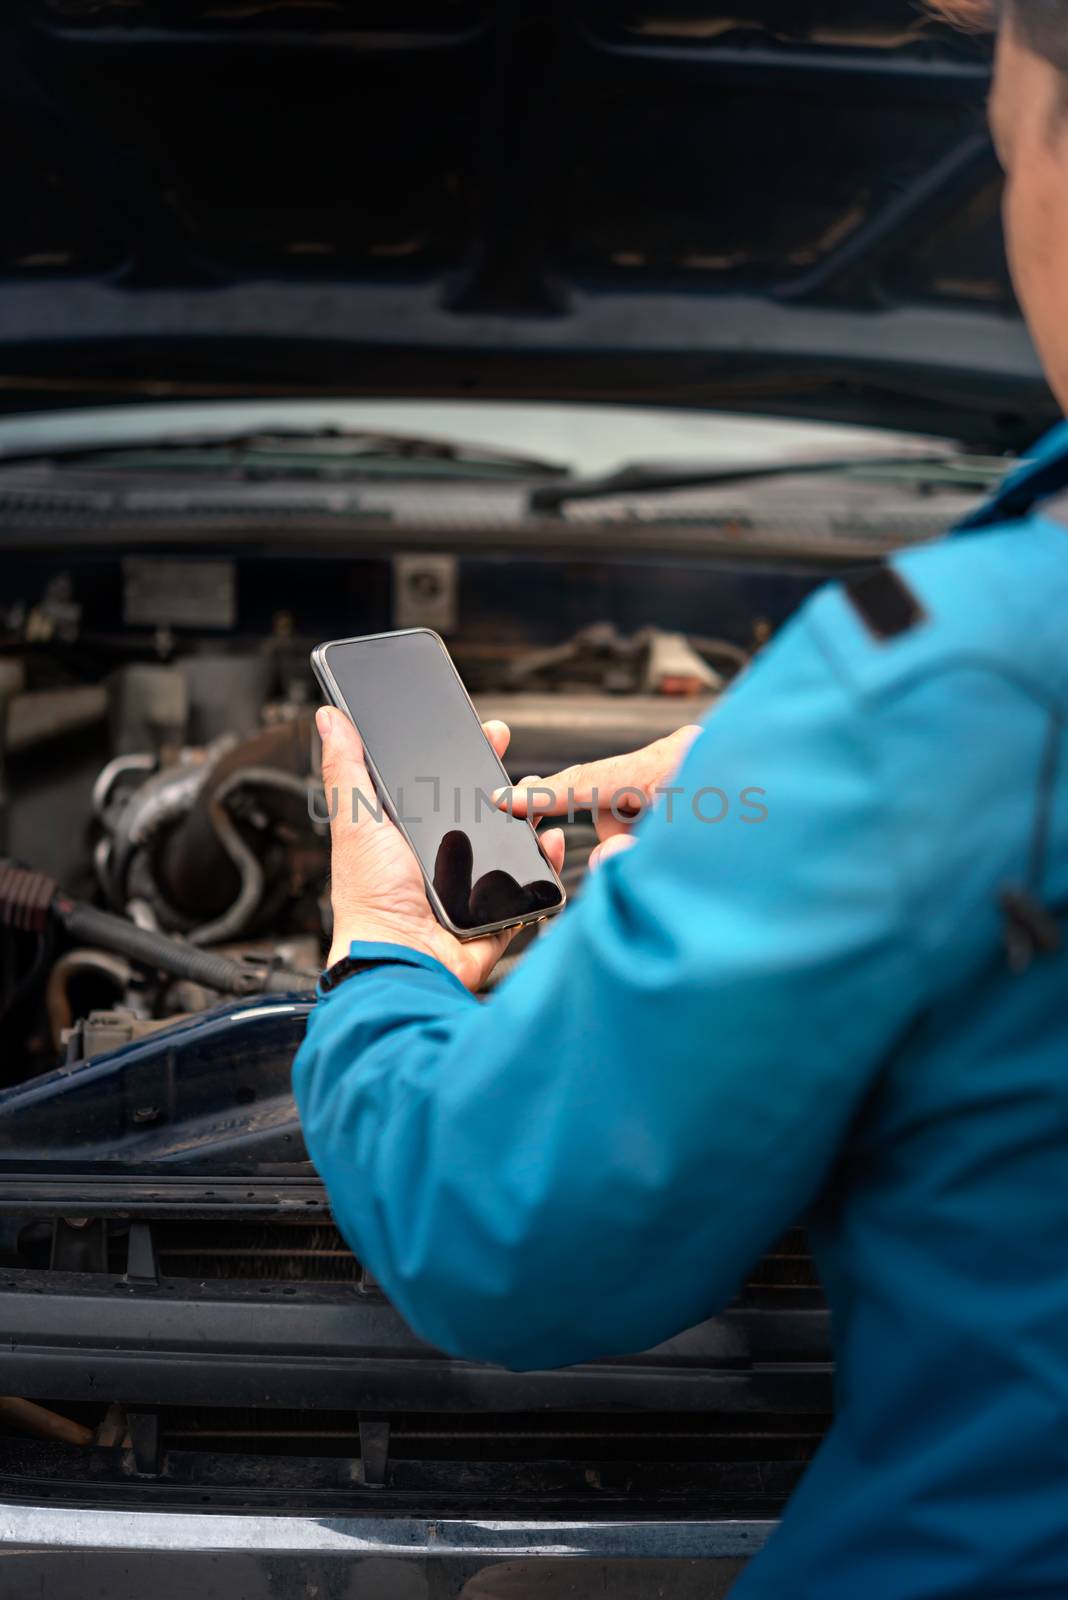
pixel 582 440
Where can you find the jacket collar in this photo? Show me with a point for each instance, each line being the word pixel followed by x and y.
pixel 1044 473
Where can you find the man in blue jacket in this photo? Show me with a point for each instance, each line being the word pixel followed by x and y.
pixel 855 1009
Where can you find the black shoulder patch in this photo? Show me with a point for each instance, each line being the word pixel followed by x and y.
pixel 887 606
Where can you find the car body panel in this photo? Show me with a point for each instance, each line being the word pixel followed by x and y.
pixel 765 206
pixel 71 1553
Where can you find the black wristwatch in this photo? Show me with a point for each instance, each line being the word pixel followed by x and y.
pixel 349 966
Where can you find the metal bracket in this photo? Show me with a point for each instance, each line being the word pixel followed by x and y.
pixel 79 1244
pixel 141 1263
pixel 144 1441
pixel 374 1450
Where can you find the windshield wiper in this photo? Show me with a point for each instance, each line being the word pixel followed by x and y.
pixel 651 477
pixel 298 452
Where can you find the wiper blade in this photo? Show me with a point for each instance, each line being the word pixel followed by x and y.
pixel 942 470
pixel 312 451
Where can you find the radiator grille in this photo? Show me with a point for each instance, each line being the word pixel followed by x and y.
pixel 312 1251
pixel 636 1464
pixel 722 1423
pixel 299 1252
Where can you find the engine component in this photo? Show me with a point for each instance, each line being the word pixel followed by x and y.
pixel 103 1031
pixel 226 694
pixel 195 702
pixel 101 967
pixel 299 954
pixel 25 898
pixel 26 1417
pixel 647 662
pixel 550 731
pixel 29 899
pixel 221 841
pixel 259 790
pixel 160 952
pixel 148 707
pixel 40 716
pixel 673 667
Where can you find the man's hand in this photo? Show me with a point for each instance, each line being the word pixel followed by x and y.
pixel 376 886
pixel 618 791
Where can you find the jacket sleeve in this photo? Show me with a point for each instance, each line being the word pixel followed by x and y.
pixel 587 1163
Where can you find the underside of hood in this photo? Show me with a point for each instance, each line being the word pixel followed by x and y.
pixel 787 206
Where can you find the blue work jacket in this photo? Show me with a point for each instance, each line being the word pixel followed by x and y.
pixel 852 1010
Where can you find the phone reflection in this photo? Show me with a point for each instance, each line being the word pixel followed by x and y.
pixel 495 897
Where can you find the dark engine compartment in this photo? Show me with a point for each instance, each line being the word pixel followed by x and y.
pixel 173 1292
pixel 169 773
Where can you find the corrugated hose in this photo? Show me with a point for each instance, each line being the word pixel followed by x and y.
pixel 28 899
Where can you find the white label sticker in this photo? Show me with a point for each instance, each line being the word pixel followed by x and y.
pixel 158 592
pixel 425 592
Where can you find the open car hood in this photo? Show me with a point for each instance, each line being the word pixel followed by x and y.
pixel 785 206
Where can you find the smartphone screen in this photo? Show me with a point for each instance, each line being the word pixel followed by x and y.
pixel 426 747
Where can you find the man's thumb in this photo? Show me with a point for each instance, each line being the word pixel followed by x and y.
pixel 345 778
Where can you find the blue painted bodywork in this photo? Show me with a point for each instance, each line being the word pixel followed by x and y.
pixel 211 1089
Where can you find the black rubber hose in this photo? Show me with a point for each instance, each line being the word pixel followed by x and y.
pixel 91 926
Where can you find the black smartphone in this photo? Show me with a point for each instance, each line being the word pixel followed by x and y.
pixel 434 773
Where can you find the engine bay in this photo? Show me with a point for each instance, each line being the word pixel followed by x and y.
pixel 163 815
pixel 185 1327
pixel 161 779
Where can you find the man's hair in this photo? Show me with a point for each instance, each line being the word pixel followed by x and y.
pixel 1042 25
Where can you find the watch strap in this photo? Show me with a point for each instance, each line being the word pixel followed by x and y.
pixel 349 966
